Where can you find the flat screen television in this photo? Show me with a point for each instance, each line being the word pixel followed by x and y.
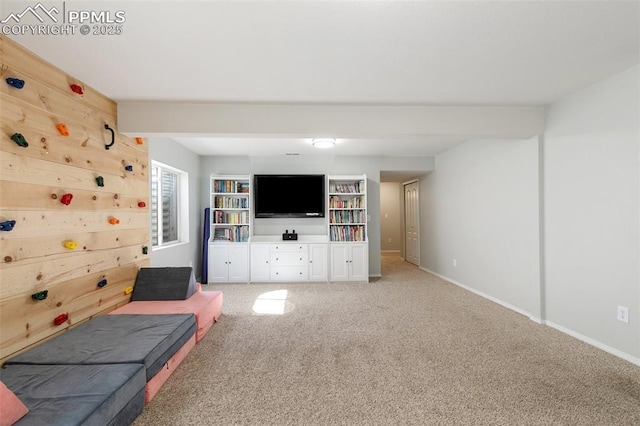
pixel 289 196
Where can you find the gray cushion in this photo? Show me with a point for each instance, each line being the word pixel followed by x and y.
pixel 164 284
pixel 77 394
pixel 116 339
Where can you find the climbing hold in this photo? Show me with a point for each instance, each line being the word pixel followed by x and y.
pixel 114 220
pixel 41 295
pixel 100 181
pixel 142 204
pixel 113 136
pixel 128 168
pixel 66 199
pixel 102 283
pixel 19 139
pixel 7 225
pixel 71 245
pixel 62 129
pixel 15 82
pixel 128 290
pixel 60 319
pixel 139 141
pixel 76 89
pixel 145 249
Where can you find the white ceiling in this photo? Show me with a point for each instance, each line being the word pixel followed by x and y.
pixel 339 52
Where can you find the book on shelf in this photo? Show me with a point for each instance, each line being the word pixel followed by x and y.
pixel 336 202
pixel 347 216
pixel 231 186
pixel 230 202
pixel 347 187
pixel 347 233
pixel 232 234
pixel 222 217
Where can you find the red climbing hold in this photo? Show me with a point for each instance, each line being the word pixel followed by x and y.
pixel 142 204
pixel 77 89
pixel 60 319
pixel 66 199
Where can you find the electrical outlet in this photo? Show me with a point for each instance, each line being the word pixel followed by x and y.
pixel 454 262
pixel 623 314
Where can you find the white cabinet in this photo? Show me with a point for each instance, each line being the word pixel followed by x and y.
pixel 260 267
pixel 288 261
pixel 349 262
pixel 228 262
pixel 318 265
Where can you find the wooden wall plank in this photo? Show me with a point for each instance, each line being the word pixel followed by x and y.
pixel 39 248
pixel 33 224
pixel 23 64
pixel 38 197
pixel 24 279
pixel 32 256
pixel 18 168
pixel 84 147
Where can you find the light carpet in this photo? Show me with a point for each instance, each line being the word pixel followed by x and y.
pixel 406 349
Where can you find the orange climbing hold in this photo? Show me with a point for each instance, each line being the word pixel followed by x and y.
pixel 128 290
pixel 114 220
pixel 62 129
pixel 71 245
pixel 61 319
pixel 139 141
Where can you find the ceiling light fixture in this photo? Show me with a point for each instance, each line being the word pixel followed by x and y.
pixel 323 143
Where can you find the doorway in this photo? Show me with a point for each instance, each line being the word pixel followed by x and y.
pixel 411 222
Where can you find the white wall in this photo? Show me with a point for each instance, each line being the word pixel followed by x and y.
pixel 480 207
pixel 591 211
pixel 390 217
pixel 169 152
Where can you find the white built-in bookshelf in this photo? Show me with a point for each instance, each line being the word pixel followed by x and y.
pixel 348 208
pixel 230 209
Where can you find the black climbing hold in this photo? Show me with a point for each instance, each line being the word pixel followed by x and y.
pixel 19 139
pixel 40 295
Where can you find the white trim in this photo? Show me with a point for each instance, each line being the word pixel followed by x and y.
pixel 588 340
pixel 592 342
pixel 389 251
pixel 486 296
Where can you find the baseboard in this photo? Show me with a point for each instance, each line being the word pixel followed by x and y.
pixel 390 251
pixel 486 296
pixel 613 351
pixel 588 340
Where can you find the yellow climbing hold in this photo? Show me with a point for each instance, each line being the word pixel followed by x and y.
pixel 128 290
pixel 71 245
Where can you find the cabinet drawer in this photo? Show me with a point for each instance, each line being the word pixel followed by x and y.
pixel 289 259
pixel 289 247
pixel 289 273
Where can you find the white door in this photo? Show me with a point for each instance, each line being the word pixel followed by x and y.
pixel 260 269
pixel 339 262
pixel 238 262
pixel 411 222
pixel 317 262
pixel 218 263
pixel 358 265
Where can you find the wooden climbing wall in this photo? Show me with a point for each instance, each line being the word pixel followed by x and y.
pixel 33 182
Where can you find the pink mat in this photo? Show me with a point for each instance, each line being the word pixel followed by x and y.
pixel 206 305
pixel 153 386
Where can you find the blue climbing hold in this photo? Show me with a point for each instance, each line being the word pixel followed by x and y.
pixel 7 225
pixel 128 168
pixel 102 283
pixel 15 82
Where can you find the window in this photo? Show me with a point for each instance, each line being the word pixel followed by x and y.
pixel 169 205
